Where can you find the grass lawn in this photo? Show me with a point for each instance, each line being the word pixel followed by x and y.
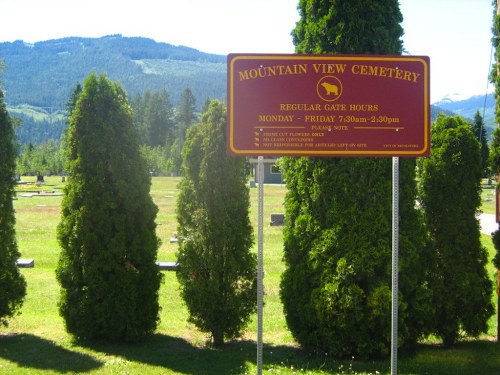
pixel 36 341
pixel 488 197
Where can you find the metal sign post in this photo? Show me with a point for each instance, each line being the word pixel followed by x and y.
pixel 395 265
pixel 260 262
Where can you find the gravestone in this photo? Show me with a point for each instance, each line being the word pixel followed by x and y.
pixel 25 263
pixel 277 219
pixel 167 266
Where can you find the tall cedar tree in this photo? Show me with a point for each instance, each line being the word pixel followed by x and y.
pixel 336 289
pixel 494 158
pixel 185 118
pixel 158 122
pixel 217 269
pixel 480 134
pixel 153 118
pixel 107 271
pixel 450 184
pixel 12 283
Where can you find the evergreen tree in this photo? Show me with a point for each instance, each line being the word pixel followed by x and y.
pixel 480 134
pixel 158 125
pixel 153 118
pixel 450 184
pixel 206 104
pixel 43 159
pixel 186 111
pixel 338 26
pixel 217 269
pixel 336 289
pixel 494 157
pixel 185 118
pixel 71 103
pixel 138 105
pixel 107 272
pixel 12 283
pixel 24 160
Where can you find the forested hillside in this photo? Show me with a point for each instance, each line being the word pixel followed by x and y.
pixel 43 74
pixel 468 108
pixel 39 78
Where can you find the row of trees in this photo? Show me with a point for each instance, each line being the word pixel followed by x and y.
pixel 49 159
pixel 161 129
pixel 107 269
pixel 107 233
pixel 42 159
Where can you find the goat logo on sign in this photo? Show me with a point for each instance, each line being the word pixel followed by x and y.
pixel 329 88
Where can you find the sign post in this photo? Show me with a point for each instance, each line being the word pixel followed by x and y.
pixel 260 263
pixel 329 106
pixel 395 265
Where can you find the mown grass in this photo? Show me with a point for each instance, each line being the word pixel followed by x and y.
pixel 36 342
pixel 488 196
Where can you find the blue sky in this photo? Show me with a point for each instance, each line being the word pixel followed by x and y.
pixel 455 34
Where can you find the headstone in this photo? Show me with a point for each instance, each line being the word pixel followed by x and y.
pixel 167 266
pixel 25 263
pixel 277 219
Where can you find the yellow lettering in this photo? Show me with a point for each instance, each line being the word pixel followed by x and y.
pixel 384 71
pixel 299 107
pixel 329 68
pixel 270 71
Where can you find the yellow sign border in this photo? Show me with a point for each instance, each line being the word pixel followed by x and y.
pixel 233 58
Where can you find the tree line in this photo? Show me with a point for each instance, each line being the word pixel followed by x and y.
pixel 161 130
pixel 160 127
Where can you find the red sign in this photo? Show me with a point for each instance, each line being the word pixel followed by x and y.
pixel 328 105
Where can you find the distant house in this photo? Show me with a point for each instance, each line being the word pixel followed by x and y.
pixel 272 173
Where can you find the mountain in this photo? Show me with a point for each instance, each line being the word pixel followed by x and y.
pixel 43 74
pixel 40 77
pixel 467 108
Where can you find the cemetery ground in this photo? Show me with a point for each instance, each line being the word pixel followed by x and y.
pixel 36 342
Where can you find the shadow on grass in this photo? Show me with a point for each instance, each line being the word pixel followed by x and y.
pixel 176 354
pixel 37 353
pixel 179 355
pixel 465 358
